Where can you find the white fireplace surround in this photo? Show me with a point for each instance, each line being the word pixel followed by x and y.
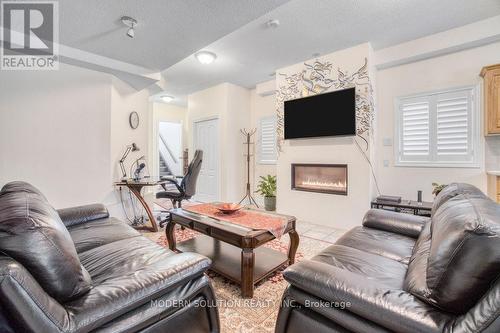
pixel 340 211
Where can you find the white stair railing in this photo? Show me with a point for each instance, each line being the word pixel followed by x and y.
pixel 169 157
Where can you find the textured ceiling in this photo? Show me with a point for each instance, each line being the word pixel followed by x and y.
pixel 250 54
pixel 170 31
pixel 167 31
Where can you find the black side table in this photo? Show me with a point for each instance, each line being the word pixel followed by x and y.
pixel 405 206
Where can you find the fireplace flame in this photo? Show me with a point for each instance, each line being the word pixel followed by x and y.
pixel 322 184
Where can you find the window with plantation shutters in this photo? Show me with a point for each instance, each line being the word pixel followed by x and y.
pixel 267 145
pixel 437 129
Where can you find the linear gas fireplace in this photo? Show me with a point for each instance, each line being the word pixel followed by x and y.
pixel 322 178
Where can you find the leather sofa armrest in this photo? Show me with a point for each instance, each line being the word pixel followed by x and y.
pixel 403 224
pixel 395 309
pixel 82 214
pixel 29 308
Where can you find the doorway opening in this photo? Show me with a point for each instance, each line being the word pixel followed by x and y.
pixel 170 149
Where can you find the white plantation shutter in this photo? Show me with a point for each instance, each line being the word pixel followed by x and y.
pixel 267 148
pixel 415 129
pixel 453 111
pixel 437 129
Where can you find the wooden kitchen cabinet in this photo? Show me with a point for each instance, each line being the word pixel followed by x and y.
pixel 491 75
pixel 494 185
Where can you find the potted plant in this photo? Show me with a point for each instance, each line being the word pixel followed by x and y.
pixel 436 188
pixel 267 188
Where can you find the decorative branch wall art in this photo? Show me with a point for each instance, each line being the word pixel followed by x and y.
pixel 319 77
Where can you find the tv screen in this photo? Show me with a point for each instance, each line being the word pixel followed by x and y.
pixel 329 114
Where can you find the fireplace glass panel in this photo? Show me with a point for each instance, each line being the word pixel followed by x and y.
pixel 323 178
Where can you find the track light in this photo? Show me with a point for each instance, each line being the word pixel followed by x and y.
pixel 131 23
pixel 130 32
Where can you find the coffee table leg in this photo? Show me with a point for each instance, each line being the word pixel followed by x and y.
pixel 170 233
pixel 247 265
pixel 294 244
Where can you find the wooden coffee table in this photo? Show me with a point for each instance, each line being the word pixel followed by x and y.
pixel 236 251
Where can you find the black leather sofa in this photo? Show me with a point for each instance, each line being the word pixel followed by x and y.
pixel 79 270
pixel 403 273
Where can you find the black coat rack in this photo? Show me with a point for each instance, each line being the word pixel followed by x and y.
pixel 248 194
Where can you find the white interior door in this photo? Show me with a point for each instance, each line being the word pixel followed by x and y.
pixel 206 138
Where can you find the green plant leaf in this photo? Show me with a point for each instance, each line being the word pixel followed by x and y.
pixel 267 186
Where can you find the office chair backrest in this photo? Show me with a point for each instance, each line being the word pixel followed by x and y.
pixel 189 181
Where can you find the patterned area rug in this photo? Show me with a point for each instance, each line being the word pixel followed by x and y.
pixel 250 315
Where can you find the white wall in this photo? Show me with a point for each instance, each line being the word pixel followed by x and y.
pixel 453 70
pixel 124 100
pixel 337 211
pixel 231 105
pixel 54 133
pixel 64 131
pixel 261 106
pixel 238 117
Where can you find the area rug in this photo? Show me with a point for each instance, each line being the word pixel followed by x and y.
pixel 259 313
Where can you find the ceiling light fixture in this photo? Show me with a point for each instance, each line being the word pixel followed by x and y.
pixel 131 23
pixel 273 23
pixel 167 98
pixel 205 57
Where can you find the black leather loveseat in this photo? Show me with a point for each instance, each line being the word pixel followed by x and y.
pixel 405 274
pixel 79 270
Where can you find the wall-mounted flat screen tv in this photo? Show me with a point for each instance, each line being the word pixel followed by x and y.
pixel 328 114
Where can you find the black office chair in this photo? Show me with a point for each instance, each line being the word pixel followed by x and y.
pixel 186 189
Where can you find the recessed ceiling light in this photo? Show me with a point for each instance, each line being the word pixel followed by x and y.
pixel 167 98
pixel 205 57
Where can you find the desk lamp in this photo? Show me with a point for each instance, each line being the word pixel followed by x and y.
pixel 132 147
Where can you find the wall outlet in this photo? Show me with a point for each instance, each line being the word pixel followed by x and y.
pixel 387 142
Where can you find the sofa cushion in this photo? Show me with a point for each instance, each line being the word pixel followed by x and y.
pixel 337 313
pixel 452 191
pixel 92 234
pixel 462 256
pixel 377 268
pixel 383 243
pixel 32 233
pixel 369 298
pixel 163 314
pixel 130 273
pixel 117 258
